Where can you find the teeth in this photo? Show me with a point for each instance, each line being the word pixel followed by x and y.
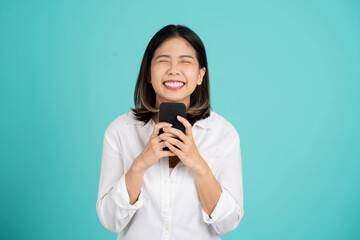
pixel 174 84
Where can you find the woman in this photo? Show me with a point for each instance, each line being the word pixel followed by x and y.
pixel 191 192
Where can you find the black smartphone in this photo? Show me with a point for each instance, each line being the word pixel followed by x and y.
pixel 168 113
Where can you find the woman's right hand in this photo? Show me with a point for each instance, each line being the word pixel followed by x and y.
pixel 153 150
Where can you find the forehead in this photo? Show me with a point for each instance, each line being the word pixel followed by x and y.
pixel 175 47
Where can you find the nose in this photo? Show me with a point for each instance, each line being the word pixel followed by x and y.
pixel 173 69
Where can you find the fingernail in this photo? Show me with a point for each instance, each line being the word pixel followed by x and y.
pixel 169 124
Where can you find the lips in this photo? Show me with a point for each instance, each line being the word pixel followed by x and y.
pixel 173 84
pixel 173 81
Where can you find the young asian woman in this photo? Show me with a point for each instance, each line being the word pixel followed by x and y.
pixel 193 191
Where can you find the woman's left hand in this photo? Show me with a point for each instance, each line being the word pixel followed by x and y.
pixel 187 152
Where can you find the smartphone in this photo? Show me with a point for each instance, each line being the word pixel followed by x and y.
pixel 168 113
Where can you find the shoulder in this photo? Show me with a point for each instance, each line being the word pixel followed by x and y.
pixel 220 124
pixel 218 121
pixel 122 122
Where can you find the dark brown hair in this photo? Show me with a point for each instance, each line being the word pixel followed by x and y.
pixel 145 96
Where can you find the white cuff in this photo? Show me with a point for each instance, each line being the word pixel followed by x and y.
pixel 121 198
pixel 224 208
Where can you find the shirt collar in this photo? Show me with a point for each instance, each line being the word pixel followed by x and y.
pixel 204 123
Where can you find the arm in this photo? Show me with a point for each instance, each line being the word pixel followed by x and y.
pixel 222 199
pixel 113 204
pixel 226 210
pixel 208 188
pixel 134 178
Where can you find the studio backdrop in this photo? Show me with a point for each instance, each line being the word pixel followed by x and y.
pixel 286 74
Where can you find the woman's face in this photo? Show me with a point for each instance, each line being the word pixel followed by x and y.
pixel 175 71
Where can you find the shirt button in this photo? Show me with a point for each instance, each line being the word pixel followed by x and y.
pixel 170 205
pixel 172 181
pixel 166 228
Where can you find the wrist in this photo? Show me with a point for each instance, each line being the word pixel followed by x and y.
pixel 137 168
pixel 201 170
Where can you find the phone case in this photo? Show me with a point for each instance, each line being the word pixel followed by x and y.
pixel 168 113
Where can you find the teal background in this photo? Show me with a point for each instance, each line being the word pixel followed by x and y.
pixel 285 73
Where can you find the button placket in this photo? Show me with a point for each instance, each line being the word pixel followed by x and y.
pixel 172 190
pixel 165 196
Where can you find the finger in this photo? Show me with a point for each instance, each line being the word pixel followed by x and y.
pixel 168 135
pixel 186 123
pixel 158 126
pixel 158 139
pixel 162 136
pixel 173 149
pixel 176 132
pixel 175 142
pixel 161 146
pixel 167 154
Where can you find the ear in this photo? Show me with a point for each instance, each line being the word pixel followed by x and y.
pixel 148 79
pixel 201 75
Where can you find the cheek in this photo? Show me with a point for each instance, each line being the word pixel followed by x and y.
pixel 155 75
pixel 192 75
pixel 158 71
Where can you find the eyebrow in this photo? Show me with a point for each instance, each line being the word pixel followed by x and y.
pixel 181 56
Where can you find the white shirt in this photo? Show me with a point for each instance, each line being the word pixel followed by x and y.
pixel 168 206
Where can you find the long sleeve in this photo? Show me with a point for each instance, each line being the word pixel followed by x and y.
pixel 112 206
pixel 228 211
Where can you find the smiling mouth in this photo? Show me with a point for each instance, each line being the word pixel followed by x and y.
pixel 174 85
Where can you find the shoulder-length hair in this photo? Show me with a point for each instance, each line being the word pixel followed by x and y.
pixel 144 94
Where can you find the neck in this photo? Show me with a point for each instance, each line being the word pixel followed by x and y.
pixel 155 117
